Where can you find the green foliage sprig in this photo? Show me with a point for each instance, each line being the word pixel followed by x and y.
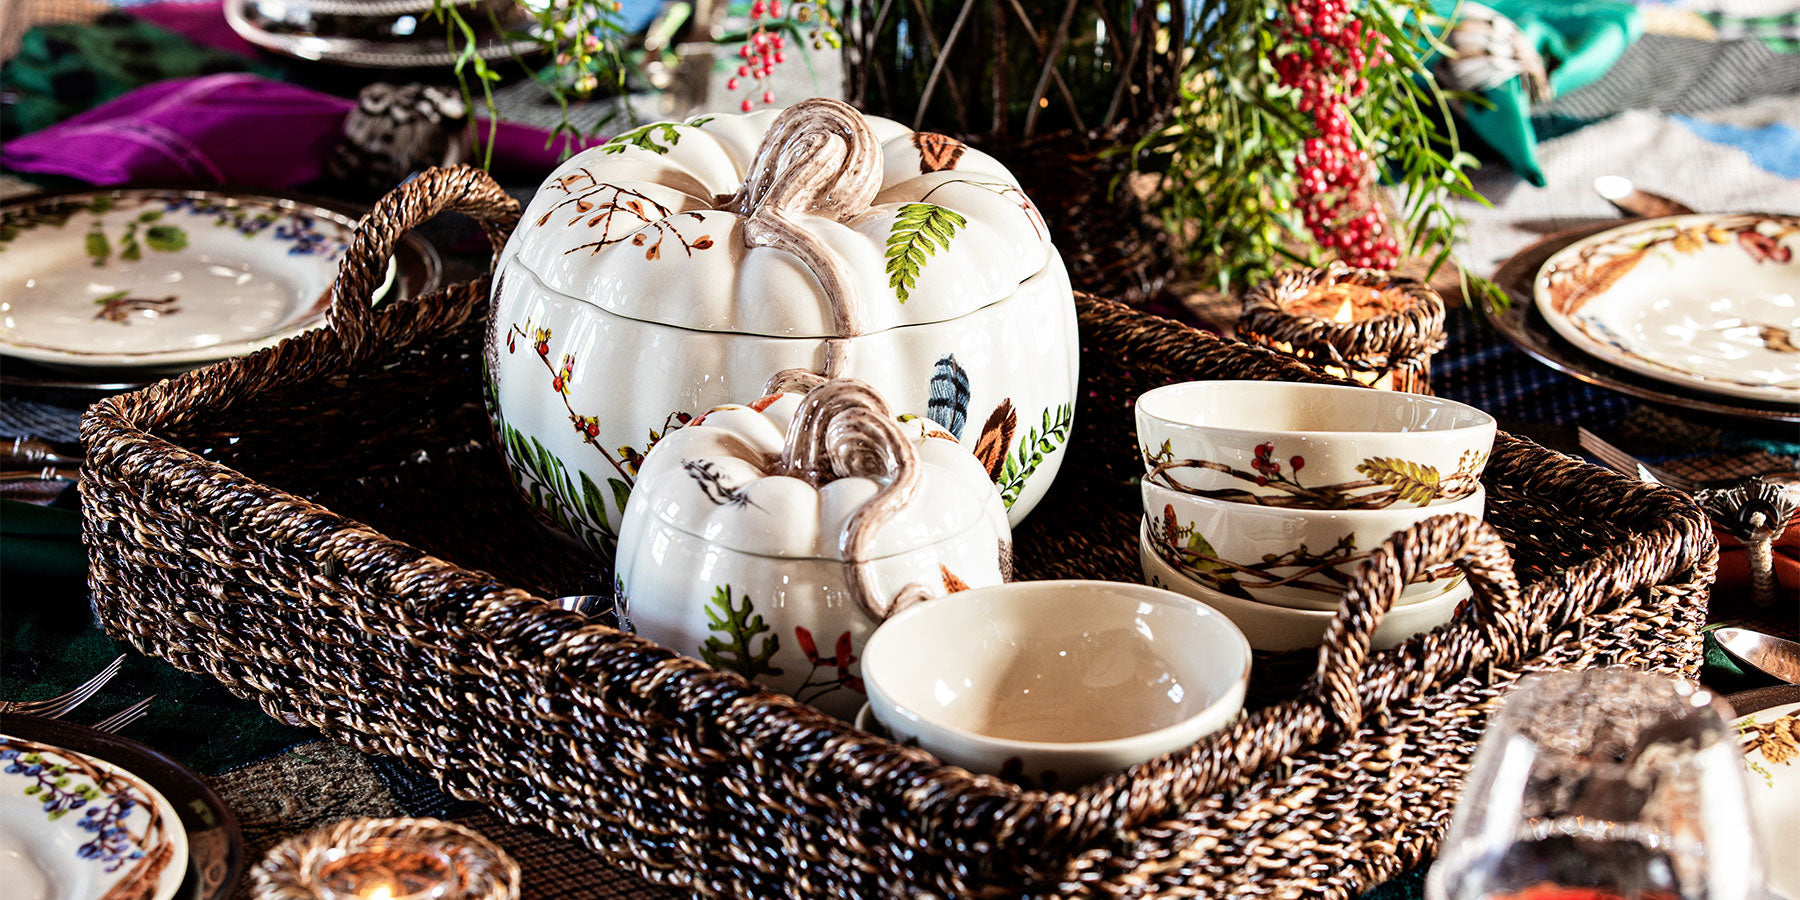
pixel 1226 160
pixel 581 39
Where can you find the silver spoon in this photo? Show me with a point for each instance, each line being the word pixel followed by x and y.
pixel 1630 200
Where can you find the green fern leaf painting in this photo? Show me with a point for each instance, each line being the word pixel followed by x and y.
pixel 920 230
pixel 736 628
pixel 1037 445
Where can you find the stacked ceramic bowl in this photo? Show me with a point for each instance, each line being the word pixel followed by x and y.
pixel 1261 498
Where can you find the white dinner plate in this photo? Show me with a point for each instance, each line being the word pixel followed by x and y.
pixel 1710 302
pixel 1774 793
pixel 73 827
pixel 162 280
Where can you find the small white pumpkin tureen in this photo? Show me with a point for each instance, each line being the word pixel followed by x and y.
pixel 771 539
pixel 679 266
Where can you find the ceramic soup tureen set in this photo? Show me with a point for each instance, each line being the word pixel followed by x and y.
pixel 797 370
pixel 680 266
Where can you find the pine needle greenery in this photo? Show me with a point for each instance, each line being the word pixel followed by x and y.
pixel 1228 162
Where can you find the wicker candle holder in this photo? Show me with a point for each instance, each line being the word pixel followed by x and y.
pixel 1371 326
pixel 387 859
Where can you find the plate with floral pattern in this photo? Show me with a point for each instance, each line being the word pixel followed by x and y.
pixel 1711 302
pixel 1768 729
pixel 162 280
pixel 73 827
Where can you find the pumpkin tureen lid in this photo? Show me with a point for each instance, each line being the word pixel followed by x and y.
pixel 812 222
pixel 755 480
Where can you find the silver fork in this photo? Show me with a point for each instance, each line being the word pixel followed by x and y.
pixel 1620 461
pixel 59 706
pixel 119 720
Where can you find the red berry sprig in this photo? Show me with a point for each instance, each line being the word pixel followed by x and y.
pixel 765 47
pixel 1322 53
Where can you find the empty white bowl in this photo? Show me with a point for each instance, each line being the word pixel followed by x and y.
pixel 1313 445
pixel 1274 628
pixel 1056 683
pixel 1277 553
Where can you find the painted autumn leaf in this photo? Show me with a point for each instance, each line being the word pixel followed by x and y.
pixel 919 231
pixel 1575 286
pixel 1413 482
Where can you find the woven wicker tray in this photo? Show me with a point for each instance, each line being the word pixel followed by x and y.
pixel 326 528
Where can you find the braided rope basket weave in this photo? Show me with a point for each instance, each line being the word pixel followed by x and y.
pixel 326 528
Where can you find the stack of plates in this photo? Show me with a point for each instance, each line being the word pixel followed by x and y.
pixel 113 288
pixel 1700 312
pixel 86 815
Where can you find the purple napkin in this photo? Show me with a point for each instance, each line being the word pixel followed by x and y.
pixel 235 129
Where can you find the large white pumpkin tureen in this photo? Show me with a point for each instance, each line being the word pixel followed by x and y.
pixel 683 265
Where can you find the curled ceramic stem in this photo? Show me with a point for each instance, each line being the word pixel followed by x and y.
pixel 819 158
pixel 843 429
pixel 792 381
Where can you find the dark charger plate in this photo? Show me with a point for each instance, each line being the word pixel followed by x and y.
pixel 215 845
pixel 1525 326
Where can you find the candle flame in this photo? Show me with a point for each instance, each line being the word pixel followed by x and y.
pixel 1345 313
pixel 382 893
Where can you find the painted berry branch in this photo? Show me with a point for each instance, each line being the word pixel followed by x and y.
pixel 598 202
pixel 587 426
pixel 1388 480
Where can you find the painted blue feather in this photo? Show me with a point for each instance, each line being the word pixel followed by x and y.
pixel 949 402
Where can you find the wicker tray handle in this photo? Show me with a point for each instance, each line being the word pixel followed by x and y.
pixel 463 189
pixel 1472 545
pixel 1330 704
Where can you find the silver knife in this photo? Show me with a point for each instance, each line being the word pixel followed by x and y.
pixel 1776 656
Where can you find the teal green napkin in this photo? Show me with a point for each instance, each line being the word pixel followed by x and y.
pixel 1578 39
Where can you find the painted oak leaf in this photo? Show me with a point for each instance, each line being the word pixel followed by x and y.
pixel 733 644
pixel 919 231
pixel 1413 482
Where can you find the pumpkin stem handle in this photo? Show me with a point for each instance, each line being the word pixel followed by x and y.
pixel 819 158
pixel 843 429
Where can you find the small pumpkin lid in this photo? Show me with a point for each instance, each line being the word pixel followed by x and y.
pixel 730 478
pixel 816 221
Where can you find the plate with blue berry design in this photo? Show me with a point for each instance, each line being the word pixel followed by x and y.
pixel 162 280
pixel 74 827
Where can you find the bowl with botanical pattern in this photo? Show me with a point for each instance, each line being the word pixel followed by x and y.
pixel 1312 446
pixel 1280 554
pixel 1275 629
